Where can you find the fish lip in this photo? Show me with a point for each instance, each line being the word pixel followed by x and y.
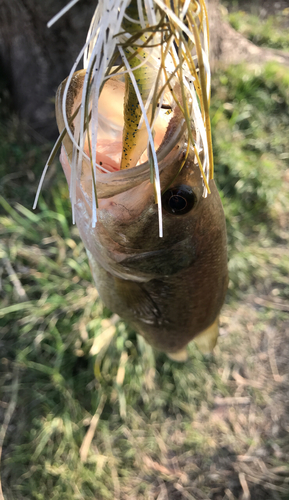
pixel 114 183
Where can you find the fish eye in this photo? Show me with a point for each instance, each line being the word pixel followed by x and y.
pixel 179 200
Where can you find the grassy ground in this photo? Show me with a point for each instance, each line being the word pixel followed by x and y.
pixel 89 411
pixel 263 22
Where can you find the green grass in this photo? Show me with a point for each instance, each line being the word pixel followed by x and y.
pixel 270 32
pixel 264 30
pixel 163 429
pixel 250 117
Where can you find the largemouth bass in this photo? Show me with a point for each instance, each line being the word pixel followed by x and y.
pixel 169 289
pixel 137 155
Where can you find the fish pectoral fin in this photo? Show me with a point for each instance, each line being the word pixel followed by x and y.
pixel 137 300
pixel 207 339
pixel 179 356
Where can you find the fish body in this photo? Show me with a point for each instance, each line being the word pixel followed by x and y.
pixel 181 283
pixel 169 289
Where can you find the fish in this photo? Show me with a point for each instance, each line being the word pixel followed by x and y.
pixel 170 289
pixel 137 155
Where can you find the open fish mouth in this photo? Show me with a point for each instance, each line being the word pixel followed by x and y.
pixel 170 131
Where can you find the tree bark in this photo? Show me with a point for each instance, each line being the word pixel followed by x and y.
pixel 35 59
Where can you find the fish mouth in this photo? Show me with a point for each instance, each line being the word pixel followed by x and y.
pixel 110 180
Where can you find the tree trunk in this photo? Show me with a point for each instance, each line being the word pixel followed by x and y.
pixel 36 59
pixel 230 47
